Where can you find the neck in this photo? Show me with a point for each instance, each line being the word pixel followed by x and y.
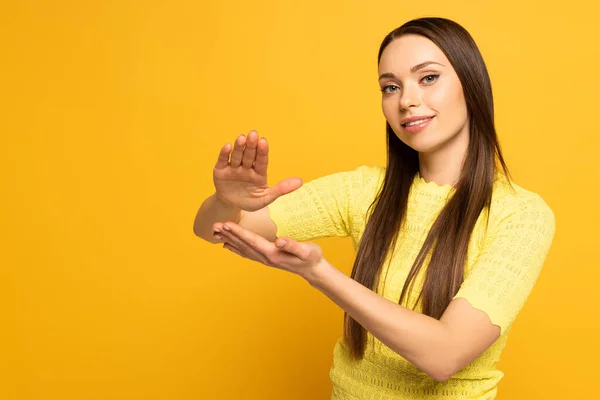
pixel 444 164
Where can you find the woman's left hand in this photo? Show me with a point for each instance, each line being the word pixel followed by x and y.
pixel 304 259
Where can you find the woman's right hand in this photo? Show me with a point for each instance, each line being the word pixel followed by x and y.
pixel 241 181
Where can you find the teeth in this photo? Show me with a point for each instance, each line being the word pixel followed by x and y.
pixel 417 122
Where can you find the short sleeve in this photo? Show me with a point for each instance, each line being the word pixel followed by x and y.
pixel 504 273
pixel 329 206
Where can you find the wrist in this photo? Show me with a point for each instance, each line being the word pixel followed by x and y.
pixel 319 274
pixel 223 204
pixel 224 211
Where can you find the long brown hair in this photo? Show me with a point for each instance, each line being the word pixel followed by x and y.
pixel 448 239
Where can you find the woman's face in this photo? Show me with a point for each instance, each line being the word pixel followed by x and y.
pixel 417 80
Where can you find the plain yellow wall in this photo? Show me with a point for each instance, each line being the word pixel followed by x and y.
pixel 112 117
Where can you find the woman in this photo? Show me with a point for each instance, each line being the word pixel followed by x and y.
pixel 448 247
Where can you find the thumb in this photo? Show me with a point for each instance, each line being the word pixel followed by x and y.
pixel 284 187
pixel 291 246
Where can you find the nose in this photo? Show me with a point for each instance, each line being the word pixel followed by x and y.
pixel 410 97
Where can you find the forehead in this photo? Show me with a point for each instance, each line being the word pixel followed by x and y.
pixel 407 51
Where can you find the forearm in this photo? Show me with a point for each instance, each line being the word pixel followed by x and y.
pixel 422 340
pixel 211 211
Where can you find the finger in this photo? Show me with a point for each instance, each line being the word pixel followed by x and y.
pixel 242 247
pixel 217 227
pixel 241 253
pixel 250 151
pixel 284 187
pixel 238 151
pixel 234 249
pixel 223 159
pixel 262 157
pixel 300 250
pixel 244 237
pixel 268 253
pixel 251 239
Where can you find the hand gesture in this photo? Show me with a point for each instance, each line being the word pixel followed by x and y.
pixel 240 175
pixel 303 259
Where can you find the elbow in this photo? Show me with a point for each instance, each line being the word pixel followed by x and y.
pixel 438 365
pixel 196 226
pixel 210 240
pixel 203 235
pixel 197 231
pixel 443 371
pixel 440 377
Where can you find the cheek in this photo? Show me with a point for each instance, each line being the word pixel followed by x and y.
pixel 450 102
pixel 387 105
pixel 442 99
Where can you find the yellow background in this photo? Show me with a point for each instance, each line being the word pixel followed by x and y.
pixel 113 113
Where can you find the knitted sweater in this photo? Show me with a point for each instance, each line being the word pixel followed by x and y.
pixel 502 266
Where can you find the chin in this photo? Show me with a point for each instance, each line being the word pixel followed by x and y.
pixel 421 144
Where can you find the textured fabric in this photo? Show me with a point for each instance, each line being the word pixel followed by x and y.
pixel 503 263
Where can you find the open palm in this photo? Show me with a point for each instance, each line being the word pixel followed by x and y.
pixel 240 175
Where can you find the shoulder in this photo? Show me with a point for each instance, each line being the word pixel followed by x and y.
pixel 371 174
pixel 364 179
pixel 511 202
pixel 369 181
pixel 355 185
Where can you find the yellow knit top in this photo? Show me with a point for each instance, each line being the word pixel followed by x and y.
pixel 503 264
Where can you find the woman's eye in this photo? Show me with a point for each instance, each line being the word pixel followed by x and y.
pixel 390 89
pixel 430 78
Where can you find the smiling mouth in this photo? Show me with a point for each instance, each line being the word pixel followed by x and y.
pixel 417 122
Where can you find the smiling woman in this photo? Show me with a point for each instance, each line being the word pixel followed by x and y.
pixel 448 246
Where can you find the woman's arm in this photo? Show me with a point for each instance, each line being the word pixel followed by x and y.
pixel 242 194
pixel 438 348
pixel 493 292
pixel 214 211
pixel 211 211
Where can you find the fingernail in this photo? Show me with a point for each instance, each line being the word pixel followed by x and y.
pixel 219 237
pixel 280 244
pixel 217 230
pixel 226 228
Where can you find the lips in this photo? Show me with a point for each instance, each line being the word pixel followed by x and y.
pixel 414 121
pixel 417 125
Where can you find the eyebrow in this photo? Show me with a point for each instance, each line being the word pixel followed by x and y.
pixel 412 70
